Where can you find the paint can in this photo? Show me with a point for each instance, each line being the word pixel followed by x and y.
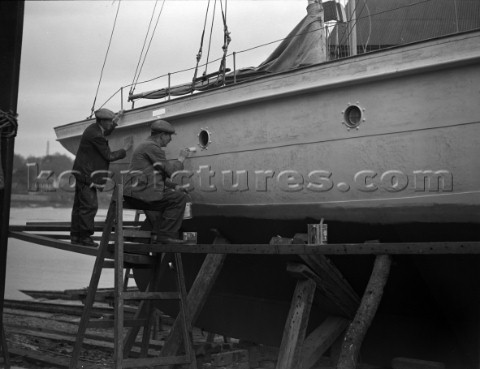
pixel 190 237
pixel 187 214
pixel 317 234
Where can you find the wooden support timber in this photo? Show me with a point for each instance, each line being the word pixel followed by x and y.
pixel 290 354
pixel 368 307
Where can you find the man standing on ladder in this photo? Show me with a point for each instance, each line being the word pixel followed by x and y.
pixel 90 167
pixel 148 186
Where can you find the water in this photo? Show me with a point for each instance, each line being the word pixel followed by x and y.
pixel 36 267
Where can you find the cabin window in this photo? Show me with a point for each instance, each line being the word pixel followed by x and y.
pixel 204 138
pixel 352 116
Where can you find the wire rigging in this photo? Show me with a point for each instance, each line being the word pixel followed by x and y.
pixel 105 59
pixel 200 50
pixel 210 38
pixel 199 54
pixel 144 52
pixel 226 42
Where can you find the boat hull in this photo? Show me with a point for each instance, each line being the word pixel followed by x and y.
pixel 281 147
pixel 281 152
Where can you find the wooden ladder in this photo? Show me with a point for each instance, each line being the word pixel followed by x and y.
pixel 145 312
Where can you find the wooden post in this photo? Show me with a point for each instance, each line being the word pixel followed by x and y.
pixel 11 31
pixel 368 307
pixel 290 353
pixel 196 299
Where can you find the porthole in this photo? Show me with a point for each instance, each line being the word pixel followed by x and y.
pixel 353 116
pixel 204 138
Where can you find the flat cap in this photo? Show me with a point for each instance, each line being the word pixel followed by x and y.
pixel 162 126
pixel 104 114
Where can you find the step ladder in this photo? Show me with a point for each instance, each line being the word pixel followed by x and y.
pixel 145 312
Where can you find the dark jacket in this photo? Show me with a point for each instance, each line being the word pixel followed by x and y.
pixel 149 172
pixel 94 155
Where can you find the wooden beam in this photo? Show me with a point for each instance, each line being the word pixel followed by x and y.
pixel 365 314
pixel 86 250
pixel 196 299
pixel 391 248
pixel 320 340
pixel 290 354
pixel 331 284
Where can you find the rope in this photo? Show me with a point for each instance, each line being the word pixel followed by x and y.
pixel 8 124
pixel 226 42
pixel 105 60
pixel 368 16
pixel 210 38
pixel 200 50
pixel 139 70
pixel 8 129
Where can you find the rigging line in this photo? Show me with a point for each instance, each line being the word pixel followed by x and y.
pixel 150 42
pixel 143 48
pixel 210 38
pixel 200 49
pixel 346 35
pixel 226 41
pixel 273 42
pixel 369 27
pixel 105 60
pixel 392 10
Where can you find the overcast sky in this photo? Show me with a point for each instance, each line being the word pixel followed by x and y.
pixel 64 46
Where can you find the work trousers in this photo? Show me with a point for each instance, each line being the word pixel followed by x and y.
pixel 168 211
pixel 85 206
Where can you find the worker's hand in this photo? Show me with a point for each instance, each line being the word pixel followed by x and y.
pixel 183 155
pixel 117 116
pixel 181 189
pixel 128 143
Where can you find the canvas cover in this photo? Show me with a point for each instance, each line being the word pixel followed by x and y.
pixel 304 45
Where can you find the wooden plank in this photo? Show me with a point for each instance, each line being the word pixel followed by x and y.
pixel 109 323
pixel 391 248
pixel 196 299
pixel 331 284
pixel 118 285
pixel 320 340
pixel 151 295
pixel 365 314
pixel 290 354
pixel 57 244
pixel 155 361
pixel 76 310
pixel 48 359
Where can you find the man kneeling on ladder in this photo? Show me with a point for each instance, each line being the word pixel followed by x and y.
pixel 148 186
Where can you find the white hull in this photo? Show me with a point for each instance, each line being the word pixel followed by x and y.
pixel 285 137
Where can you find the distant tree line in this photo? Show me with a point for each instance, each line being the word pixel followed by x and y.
pixel 58 163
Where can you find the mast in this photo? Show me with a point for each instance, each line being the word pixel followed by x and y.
pixel 11 30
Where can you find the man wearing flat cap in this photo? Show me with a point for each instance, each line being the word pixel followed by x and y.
pixel 148 186
pixel 91 162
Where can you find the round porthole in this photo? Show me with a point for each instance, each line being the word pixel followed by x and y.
pixel 204 138
pixel 353 116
